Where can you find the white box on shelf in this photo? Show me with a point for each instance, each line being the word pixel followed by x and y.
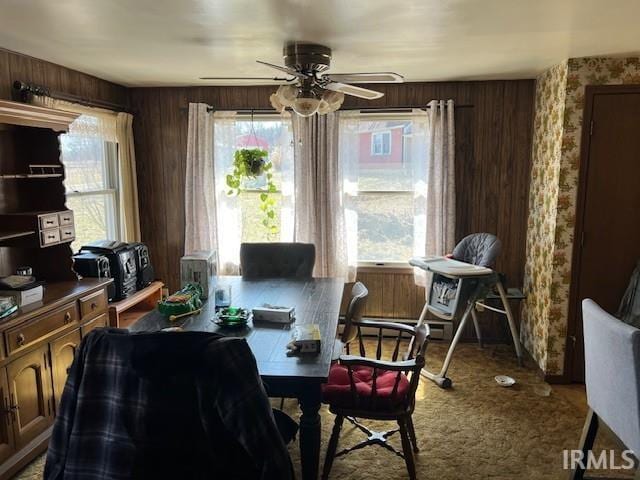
pixel 199 267
pixel 24 297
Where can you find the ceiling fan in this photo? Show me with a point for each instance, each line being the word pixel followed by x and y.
pixel 308 88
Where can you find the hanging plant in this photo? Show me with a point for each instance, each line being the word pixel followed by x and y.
pixel 249 164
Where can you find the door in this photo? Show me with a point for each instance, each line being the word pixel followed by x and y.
pixel 7 447
pixel 608 233
pixel 30 395
pixel 63 350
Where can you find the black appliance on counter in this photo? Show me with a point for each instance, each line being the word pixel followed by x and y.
pixel 94 265
pixel 145 274
pixel 122 265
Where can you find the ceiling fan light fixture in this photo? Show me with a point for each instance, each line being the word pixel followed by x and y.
pixel 306 105
pixel 334 99
pixel 275 103
pixel 287 95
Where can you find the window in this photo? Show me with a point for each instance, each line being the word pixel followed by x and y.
pixel 384 195
pixel 270 134
pixel 91 183
pixel 381 143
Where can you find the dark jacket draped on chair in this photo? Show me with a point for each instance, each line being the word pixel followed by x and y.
pixel 187 405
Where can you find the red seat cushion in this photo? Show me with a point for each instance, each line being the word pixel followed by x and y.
pixel 337 390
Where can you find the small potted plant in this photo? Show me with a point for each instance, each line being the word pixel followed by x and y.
pixel 248 164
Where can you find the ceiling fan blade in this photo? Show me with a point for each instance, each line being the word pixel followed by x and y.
pixel 353 90
pixel 262 79
pixel 288 70
pixel 369 77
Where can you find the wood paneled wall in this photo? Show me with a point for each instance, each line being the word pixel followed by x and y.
pixel 493 142
pixel 14 66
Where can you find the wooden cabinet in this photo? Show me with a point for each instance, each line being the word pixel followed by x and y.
pixel 7 445
pixel 30 397
pixel 35 330
pixel 62 351
pixel 41 341
pixel 98 322
pixel 93 305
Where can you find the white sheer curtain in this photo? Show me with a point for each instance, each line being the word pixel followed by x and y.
pixel 199 191
pixel 321 216
pixel 433 153
pixel 102 122
pixel 228 214
pixel 287 167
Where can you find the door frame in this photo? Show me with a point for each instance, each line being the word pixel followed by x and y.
pixel 590 93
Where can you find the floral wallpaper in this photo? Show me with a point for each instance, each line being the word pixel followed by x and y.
pixel 552 201
pixel 543 197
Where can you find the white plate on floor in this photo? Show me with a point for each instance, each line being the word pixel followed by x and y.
pixel 504 380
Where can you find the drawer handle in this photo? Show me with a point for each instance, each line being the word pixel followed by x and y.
pixel 49 222
pixel 20 339
pixel 51 237
pixel 67 317
pixel 94 306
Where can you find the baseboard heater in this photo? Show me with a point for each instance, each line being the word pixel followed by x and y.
pixel 439 329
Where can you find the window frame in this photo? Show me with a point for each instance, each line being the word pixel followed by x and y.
pixel 383 265
pixel 258 118
pixel 381 133
pixel 111 172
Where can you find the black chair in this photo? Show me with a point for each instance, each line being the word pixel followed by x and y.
pixel 376 388
pixel 277 260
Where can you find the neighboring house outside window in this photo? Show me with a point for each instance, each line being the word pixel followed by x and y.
pixel 381 143
pixel 91 183
pixel 384 198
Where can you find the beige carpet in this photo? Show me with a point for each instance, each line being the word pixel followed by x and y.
pixel 476 430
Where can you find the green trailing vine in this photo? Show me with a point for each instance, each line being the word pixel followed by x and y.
pixel 251 163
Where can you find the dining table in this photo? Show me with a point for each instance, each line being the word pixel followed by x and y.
pixel 300 376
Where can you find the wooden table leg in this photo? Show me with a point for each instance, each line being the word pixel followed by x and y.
pixel 310 432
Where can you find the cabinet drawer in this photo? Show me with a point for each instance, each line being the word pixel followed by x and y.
pixel 93 305
pixel 30 332
pixel 50 237
pixel 98 322
pixel 67 233
pixel 65 218
pixel 49 220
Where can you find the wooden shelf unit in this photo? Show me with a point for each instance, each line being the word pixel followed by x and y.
pixel 17 234
pixel 11 176
pixel 126 312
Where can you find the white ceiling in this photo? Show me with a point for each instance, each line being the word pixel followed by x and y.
pixel 173 42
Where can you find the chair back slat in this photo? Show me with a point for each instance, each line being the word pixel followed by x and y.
pixel 374 388
pixel 379 347
pixel 363 351
pixel 396 384
pixel 354 391
pixel 396 349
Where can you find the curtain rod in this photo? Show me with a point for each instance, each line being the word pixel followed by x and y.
pixel 398 109
pixel 26 90
pixel 403 109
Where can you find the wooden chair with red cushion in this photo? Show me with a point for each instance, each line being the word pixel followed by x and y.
pixel 362 387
